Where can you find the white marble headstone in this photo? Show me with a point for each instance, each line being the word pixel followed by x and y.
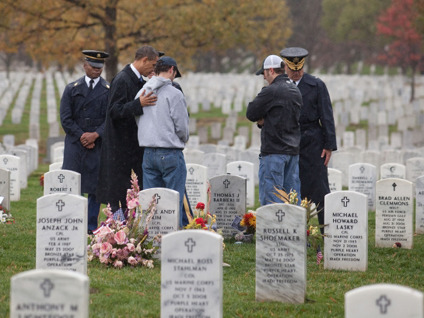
pixel 392 170
pixel 335 179
pixel 66 181
pixel 5 188
pixel 384 300
pixel 197 184
pixel 414 168
pixel 346 240
pixel 49 293
pixel 61 241
pixel 193 156
pixel 281 253
pixel 419 205
pixel 394 213
pixel 246 170
pixel 362 178
pixel 12 164
pixel 191 274
pixel 216 163
pixel 55 166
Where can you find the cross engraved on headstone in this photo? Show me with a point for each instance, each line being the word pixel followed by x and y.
pixel 191 170
pixel 156 197
pixel 362 169
pixel 239 167
pixel 280 214
pixel 47 287
pixel 61 177
pixel 5 160
pixel 383 302
pixel 394 185
pixel 345 201
pixel 190 243
pixel 60 204
pixel 226 183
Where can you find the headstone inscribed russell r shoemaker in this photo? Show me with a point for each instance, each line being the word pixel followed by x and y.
pixel 197 184
pixel 228 199
pixel 362 178
pixel 62 232
pixel 394 213
pixel 49 293
pixel 346 236
pixel 281 253
pixel 191 274
pixel 65 181
pixel 419 205
pixel 384 300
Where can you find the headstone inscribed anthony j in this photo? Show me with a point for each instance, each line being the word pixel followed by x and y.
pixel 281 253
pixel 191 274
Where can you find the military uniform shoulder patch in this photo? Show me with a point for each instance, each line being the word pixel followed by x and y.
pixel 107 86
pixel 76 83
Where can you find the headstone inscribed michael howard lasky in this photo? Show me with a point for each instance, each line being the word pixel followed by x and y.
pixel 362 178
pixel 191 274
pixel 197 184
pixel 62 232
pixel 394 213
pixel 384 300
pixel 346 236
pixel 228 200
pixel 65 181
pixel 49 293
pixel 281 253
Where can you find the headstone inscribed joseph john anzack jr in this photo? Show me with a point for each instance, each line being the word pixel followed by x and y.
pixel 62 232
pixel 362 178
pixel 384 300
pixel 191 274
pixel 65 181
pixel 281 253
pixel 197 184
pixel 394 213
pixel 49 293
pixel 346 236
pixel 228 199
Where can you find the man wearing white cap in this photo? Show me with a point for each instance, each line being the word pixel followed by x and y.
pixel 277 110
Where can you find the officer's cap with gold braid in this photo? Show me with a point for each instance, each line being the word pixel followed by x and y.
pixel 95 58
pixel 294 57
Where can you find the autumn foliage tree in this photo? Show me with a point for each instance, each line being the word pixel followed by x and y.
pixel 404 48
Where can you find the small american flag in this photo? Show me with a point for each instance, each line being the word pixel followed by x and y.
pixel 319 255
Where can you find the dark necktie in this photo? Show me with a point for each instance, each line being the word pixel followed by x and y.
pixel 91 84
pixel 141 80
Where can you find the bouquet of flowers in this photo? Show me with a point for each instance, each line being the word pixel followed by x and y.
pixel 119 243
pixel 5 216
pixel 202 220
pixel 249 221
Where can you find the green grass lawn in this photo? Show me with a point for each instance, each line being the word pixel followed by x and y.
pixel 135 292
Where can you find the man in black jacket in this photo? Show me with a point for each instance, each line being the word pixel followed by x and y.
pixel 121 152
pixel 277 110
pixel 317 126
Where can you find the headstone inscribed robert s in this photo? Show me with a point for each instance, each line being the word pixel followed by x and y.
pixel 246 170
pixel 65 181
pixel 191 274
pixel 392 170
pixel 384 300
pixel 228 200
pixel 362 178
pixel 197 184
pixel 5 188
pixel 346 236
pixel 394 213
pixel 281 253
pixel 419 205
pixel 12 163
pixel 61 241
pixel 49 293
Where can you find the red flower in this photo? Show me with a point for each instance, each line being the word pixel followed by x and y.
pixel 201 222
pixel 200 206
pixel 307 232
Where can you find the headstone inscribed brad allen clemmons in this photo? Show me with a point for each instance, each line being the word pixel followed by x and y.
pixel 281 253
pixel 5 188
pixel 392 170
pixel 384 300
pixel 419 205
pixel 197 184
pixel 191 274
pixel 246 170
pixel 362 178
pixel 394 213
pixel 49 293
pixel 12 163
pixel 228 199
pixel 61 241
pixel 346 235
pixel 65 181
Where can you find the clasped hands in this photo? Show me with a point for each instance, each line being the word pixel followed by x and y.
pixel 87 139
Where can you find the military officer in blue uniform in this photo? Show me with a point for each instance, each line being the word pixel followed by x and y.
pixel 82 114
pixel 318 134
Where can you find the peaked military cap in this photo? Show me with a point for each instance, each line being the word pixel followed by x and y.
pixel 95 58
pixel 294 57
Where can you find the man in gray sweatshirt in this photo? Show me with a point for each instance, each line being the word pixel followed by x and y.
pixel 163 132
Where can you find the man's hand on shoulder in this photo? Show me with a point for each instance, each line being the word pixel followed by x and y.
pixel 147 99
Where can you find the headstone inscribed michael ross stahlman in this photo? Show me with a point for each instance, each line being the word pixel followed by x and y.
pixel 281 253
pixel 191 274
pixel 346 233
pixel 228 199
pixel 394 213
pixel 61 241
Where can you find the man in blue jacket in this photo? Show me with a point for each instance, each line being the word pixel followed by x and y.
pixel 277 110
pixel 82 114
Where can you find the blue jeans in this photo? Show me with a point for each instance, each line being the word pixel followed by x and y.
pixel 165 168
pixel 281 171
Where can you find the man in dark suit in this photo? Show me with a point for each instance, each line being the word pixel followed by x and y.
pixel 318 134
pixel 82 114
pixel 121 152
